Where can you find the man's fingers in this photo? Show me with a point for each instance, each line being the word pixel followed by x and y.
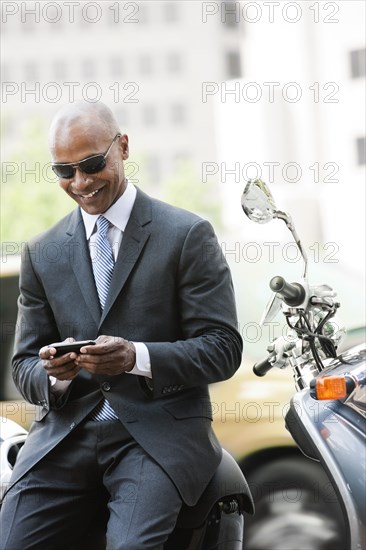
pixel 103 344
pixel 62 374
pixel 62 368
pixel 62 362
pixel 59 371
pixel 98 349
pixel 49 351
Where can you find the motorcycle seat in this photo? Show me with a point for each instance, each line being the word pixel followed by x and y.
pixel 227 484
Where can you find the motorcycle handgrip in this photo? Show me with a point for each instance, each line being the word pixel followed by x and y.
pixel 293 294
pixel 261 368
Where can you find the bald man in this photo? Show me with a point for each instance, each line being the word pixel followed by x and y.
pixel 124 433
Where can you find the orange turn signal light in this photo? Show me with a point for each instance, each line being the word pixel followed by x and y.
pixel 331 387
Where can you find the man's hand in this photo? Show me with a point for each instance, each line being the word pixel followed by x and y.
pixel 62 368
pixel 111 355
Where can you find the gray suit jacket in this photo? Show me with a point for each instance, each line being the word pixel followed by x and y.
pixel 172 290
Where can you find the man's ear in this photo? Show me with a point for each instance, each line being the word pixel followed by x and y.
pixel 123 144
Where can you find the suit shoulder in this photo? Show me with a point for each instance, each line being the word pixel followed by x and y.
pixel 174 215
pixel 59 228
pixel 171 221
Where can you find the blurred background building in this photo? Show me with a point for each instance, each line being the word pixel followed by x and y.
pixel 147 60
pixel 299 116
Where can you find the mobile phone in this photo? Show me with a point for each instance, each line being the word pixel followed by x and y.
pixel 67 347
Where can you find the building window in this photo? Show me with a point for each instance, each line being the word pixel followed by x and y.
pixel 230 14
pixel 358 63
pixel 149 115
pixel 143 13
pixel 178 114
pixel 29 24
pixel 57 25
pixel 30 72
pixel 116 67
pixel 5 74
pixel 145 64
pixel 233 65
pixel 171 12
pixel 174 63
pixel 122 116
pixel 361 150
pixel 59 69
pixel 88 68
pixel 153 169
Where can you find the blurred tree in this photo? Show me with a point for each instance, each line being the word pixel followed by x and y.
pixel 31 200
pixel 186 190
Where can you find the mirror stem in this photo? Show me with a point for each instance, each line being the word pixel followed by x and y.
pixel 288 221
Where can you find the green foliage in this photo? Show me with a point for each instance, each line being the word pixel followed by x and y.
pixel 186 190
pixel 30 202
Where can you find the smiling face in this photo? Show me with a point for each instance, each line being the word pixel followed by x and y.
pixel 78 139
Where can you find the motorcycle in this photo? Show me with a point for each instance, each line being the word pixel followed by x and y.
pixel 327 414
pixel 215 523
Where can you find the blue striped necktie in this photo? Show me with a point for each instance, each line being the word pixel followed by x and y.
pixel 103 265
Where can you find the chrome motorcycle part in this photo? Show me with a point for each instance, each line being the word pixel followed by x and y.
pixel 259 205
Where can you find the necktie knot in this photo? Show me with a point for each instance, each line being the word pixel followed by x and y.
pixel 102 226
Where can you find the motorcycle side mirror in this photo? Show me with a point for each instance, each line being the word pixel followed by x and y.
pixel 257 202
pixel 259 205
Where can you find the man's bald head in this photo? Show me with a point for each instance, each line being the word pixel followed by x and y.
pixel 90 116
pixel 83 131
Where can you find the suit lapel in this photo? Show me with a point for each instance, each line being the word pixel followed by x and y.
pixel 134 239
pixel 80 261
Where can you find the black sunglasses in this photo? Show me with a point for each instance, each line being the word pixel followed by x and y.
pixel 90 165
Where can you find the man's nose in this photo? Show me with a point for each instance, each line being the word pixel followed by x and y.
pixel 81 180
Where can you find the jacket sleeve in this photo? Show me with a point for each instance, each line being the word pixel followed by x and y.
pixel 35 328
pixel 211 347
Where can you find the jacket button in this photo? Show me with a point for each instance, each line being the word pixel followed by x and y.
pixel 106 386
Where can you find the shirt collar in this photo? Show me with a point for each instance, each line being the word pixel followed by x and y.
pixel 118 214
